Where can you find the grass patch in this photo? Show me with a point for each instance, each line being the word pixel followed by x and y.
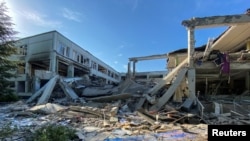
pixel 9 98
pixel 6 131
pixel 54 132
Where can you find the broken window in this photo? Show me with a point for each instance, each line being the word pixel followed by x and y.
pixel 74 55
pixel 22 50
pixel 78 58
pixel 86 61
pixel 81 61
pixel 61 48
pixel 102 69
pixel 109 72
pixel 21 86
pixel 116 76
pixel 93 65
pixel 67 51
pixel 21 68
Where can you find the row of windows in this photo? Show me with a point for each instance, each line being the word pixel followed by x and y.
pixel 65 50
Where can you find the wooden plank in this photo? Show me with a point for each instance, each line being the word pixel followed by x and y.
pixel 167 95
pixel 148 119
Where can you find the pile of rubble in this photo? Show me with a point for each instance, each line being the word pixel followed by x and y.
pixel 117 112
pixel 100 121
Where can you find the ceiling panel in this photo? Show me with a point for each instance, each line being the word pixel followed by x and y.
pixel 233 37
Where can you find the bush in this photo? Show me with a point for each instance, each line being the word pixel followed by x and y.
pixel 6 131
pixel 54 132
pixel 9 98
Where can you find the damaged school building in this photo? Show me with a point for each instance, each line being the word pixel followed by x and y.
pixel 217 69
pixel 204 85
pixel 51 53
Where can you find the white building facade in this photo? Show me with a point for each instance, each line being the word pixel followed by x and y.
pixel 53 52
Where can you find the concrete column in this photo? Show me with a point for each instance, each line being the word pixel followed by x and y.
pixel 129 71
pixel 70 71
pixel 28 76
pixel 191 46
pixel 57 66
pixel 191 71
pixel 134 68
pixel 53 62
pixel 37 84
pixel 191 83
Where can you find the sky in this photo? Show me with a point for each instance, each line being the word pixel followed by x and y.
pixel 116 30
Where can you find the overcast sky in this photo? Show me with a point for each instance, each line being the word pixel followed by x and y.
pixel 115 30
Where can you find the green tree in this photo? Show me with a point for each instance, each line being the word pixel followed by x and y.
pixel 7 41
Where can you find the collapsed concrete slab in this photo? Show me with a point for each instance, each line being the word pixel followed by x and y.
pixel 47 108
pixel 37 94
pixel 111 97
pixel 45 93
pixel 48 90
pixel 68 90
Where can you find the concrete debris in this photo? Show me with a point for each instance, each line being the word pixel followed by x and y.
pixel 47 108
pixel 47 91
pixel 97 91
pixel 126 111
pixel 110 121
pixel 111 97
pixel 68 90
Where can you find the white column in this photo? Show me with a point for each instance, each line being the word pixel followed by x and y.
pixel 191 83
pixel 70 71
pixel 53 62
pixel 28 76
pixel 134 68
pixel 191 46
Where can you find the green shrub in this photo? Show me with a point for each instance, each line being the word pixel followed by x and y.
pixel 9 98
pixel 6 131
pixel 54 132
